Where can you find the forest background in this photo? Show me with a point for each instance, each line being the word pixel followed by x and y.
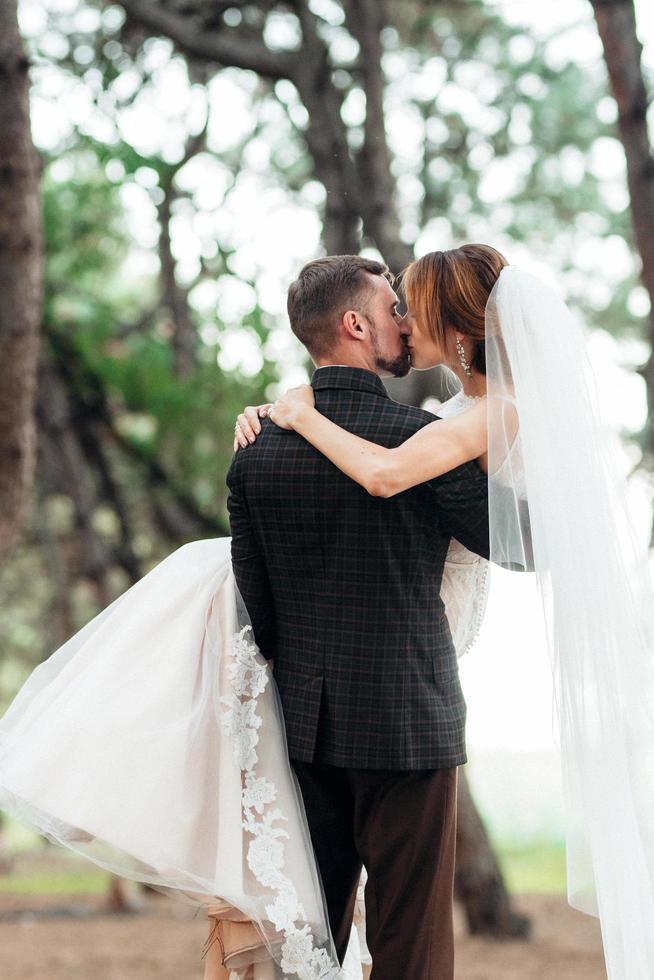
pixel 189 158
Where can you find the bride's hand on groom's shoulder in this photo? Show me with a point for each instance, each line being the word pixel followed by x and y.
pixel 248 425
pixel 285 413
pixel 293 405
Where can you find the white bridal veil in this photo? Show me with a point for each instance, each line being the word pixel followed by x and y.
pixel 152 742
pixel 597 600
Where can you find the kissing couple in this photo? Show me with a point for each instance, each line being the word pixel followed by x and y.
pixel 256 721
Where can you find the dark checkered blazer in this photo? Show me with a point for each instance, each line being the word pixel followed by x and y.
pixel 343 588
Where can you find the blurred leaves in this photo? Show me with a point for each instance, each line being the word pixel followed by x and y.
pixel 180 195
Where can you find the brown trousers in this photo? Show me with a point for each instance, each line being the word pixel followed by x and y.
pixel 402 826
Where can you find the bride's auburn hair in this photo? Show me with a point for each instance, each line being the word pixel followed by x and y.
pixel 451 289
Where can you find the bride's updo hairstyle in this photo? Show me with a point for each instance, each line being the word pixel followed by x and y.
pixel 450 290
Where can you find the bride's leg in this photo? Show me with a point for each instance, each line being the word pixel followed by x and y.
pixel 234 949
pixel 213 959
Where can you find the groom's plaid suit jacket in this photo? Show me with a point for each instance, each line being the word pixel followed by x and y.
pixel 343 588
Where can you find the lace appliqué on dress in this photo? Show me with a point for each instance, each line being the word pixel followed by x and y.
pixel 466 580
pixel 464 591
pixel 249 677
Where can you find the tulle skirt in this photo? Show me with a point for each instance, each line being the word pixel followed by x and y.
pixel 153 743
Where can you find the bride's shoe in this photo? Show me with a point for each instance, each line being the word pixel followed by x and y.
pixel 230 937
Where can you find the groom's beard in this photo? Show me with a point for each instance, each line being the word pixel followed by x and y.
pixel 399 366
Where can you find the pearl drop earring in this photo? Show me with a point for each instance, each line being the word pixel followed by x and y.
pixel 462 357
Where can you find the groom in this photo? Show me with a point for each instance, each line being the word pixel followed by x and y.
pixel 343 592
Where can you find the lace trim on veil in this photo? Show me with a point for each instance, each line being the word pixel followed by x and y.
pixel 249 677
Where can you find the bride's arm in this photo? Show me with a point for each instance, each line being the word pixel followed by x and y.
pixel 435 449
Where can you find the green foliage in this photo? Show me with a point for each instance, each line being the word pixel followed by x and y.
pixel 537 867
pixel 501 145
pixel 186 422
pixel 83 882
pixel 181 423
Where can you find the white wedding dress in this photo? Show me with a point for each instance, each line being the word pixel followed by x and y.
pixel 152 742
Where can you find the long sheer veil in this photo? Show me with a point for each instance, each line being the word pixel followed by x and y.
pixel 557 507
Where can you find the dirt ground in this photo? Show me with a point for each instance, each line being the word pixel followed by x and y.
pixel 70 937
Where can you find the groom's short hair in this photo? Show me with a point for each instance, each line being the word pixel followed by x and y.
pixel 324 290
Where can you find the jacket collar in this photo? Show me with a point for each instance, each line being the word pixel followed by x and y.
pixel 355 379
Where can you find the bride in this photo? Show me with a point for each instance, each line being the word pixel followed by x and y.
pixel 556 502
pixel 153 742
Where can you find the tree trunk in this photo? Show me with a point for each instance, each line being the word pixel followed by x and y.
pixel 326 139
pixel 122 897
pixel 366 19
pixel 20 281
pixel 174 297
pixel 64 469
pixel 616 23
pixel 59 621
pixel 478 882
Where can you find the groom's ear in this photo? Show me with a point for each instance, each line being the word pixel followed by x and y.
pixel 354 326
